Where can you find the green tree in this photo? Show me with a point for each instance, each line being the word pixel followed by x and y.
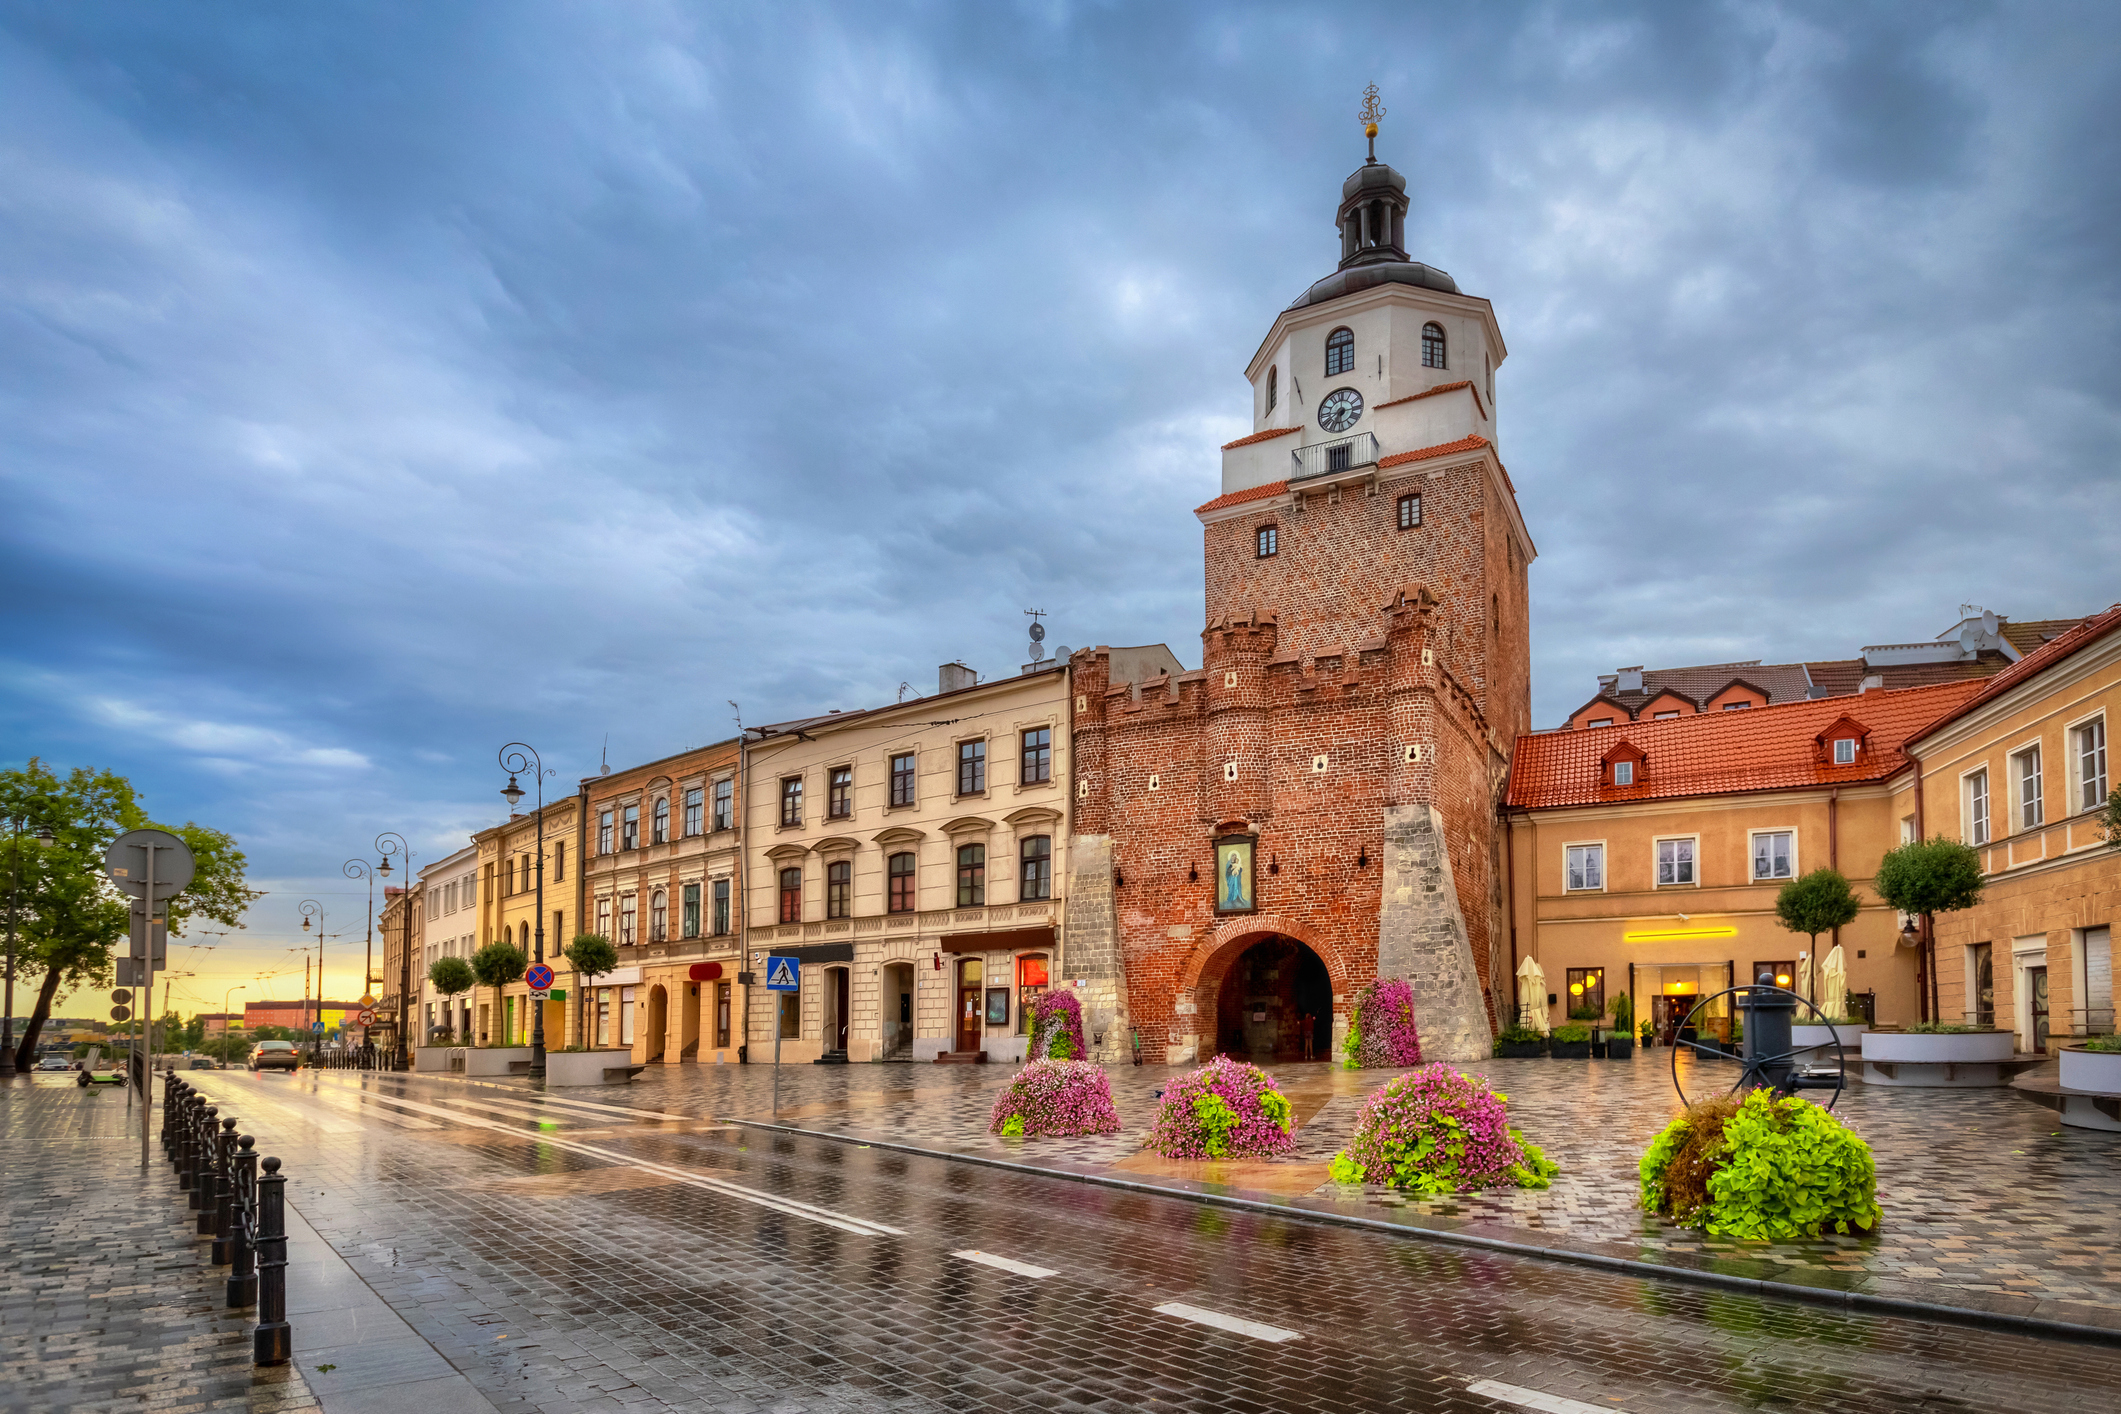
pixel 2110 820
pixel 1930 876
pixel 70 916
pixel 452 977
pixel 496 965
pixel 591 954
pixel 1819 902
pixel 169 1032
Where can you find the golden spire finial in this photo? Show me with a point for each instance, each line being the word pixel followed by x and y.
pixel 1372 110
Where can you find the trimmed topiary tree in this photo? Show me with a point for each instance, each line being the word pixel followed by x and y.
pixel 1057 1027
pixel 1439 1131
pixel 1053 1098
pixel 1381 1033
pixel 1761 1168
pixel 452 978
pixel 1228 1109
pixel 497 965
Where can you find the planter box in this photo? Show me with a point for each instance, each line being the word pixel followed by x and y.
pixel 497 1060
pixel 2098 1072
pixel 1569 1050
pixel 1519 1050
pixel 1619 1049
pixel 589 1067
pixel 437 1058
pixel 1943 1059
pixel 1851 1040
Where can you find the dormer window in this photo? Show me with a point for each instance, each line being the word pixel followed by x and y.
pixel 1432 352
pixel 1273 389
pixel 1623 773
pixel 1340 351
pixel 1622 766
pixel 1844 751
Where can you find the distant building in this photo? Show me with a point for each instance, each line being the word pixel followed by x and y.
pixel 297 1014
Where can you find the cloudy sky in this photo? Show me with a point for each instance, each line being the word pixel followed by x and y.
pixel 379 383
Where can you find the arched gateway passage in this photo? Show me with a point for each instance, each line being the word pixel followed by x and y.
pixel 1275 1003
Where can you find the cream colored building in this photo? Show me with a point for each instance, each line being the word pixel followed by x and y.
pixel 446 915
pixel 507 911
pixel 912 858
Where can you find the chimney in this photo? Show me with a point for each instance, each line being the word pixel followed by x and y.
pixel 1874 682
pixel 1628 680
pixel 952 676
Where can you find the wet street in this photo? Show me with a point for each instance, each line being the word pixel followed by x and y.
pixel 608 1250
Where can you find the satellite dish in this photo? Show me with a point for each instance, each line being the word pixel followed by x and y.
pixel 1038 631
pixel 1038 653
pixel 1988 623
pixel 1970 637
pixel 1062 651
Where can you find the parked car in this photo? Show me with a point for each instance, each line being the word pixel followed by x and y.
pixel 275 1055
pixel 55 1063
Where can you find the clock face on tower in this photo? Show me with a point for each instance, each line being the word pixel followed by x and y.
pixel 1340 409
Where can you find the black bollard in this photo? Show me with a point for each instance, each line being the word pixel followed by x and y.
pixel 242 1257
pixel 187 1126
pixel 169 1102
pixel 1768 1014
pixel 224 1146
pixel 201 1139
pixel 273 1341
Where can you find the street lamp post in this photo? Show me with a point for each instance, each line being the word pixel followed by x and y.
pixel 516 757
pixel 14 898
pixel 358 869
pixel 389 843
pixel 312 909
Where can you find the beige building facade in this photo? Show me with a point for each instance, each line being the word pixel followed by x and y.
pixel 507 911
pixel 912 857
pixel 447 918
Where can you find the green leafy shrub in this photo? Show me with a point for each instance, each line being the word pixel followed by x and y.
pixel 1517 1036
pixel 1761 1168
pixel 1572 1033
pixel 1624 1013
pixel 1649 1032
pixel 1943 1028
pixel 1585 1013
pixel 1439 1131
pixel 2105 1045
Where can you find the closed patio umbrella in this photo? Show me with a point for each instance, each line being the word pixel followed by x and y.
pixel 1532 993
pixel 1834 983
pixel 1801 984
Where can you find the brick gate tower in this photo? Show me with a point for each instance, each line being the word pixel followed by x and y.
pixel 1316 806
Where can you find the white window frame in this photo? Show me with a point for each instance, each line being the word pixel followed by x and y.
pixel 1977 827
pixel 1600 886
pixel 1657 844
pixel 2078 731
pixel 1851 745
pixel 2028 812
pixel 1750 855
pixel 1620 766
pixel 1598 722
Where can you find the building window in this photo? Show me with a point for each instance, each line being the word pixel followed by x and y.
pixel 1977 808
pixel 902 779
pixel 604 918
pixel 1623 773
pixel 971 767
pixel 1772 852
pixel 1981 983
pixel 1664 716
pixel 1273 388
pixel 629 919
pixel 604 1016
pixel 659 825
pixel 1736 706
pixel 1409 512
pixel 791 895
pixel 689 910
pixel 1432 346
pixel 1269 541
pixel 721 908
pixel 1340 351
pixel 1037 853
pixel 839 792
pixel 724 804
pixel 1675 862
pixel 604 832
pixel 694 809
pixel 1586 993
pixel 626 1016
pixel 1586 866
pixel 630 827
pixel 721 1014
pixel 1774 974
pixel 2091 764
pixel 559 861
pixel 1844 751
pixel 2032 812
pixel 659 917
pixel 1037 765
pixel 971 875
pixel 900 872
pixel 839 888
pixel 791 800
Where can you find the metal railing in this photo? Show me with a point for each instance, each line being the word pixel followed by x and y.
pixel 1325 458
pixel 243 1210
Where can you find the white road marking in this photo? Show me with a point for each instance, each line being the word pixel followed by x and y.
pixel 1007 1264
pixel 345 1102
pixel 794 1207
pixel 1236 1324
pixel 1538 1399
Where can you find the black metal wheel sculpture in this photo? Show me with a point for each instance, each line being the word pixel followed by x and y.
pixel 1785 1071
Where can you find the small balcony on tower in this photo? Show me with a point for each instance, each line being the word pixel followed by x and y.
pixel 1341 454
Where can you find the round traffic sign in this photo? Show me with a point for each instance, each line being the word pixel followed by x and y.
pixel 127 861
pixel 121 996
pixel 366 1017
pixel 539 977
pixel 121 1013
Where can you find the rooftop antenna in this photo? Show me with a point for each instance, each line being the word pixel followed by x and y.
pixel 604 760
pixel 1038 635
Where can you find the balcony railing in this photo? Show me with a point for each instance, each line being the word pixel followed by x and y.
pixel 1325 458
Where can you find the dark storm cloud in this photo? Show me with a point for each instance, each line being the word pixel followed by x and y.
pixel 380 383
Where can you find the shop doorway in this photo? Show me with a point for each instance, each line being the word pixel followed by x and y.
pixel 2036 1002
pixel 895 1007
pixel 1275 1004
pixel 969 977
pixel 658 1023
pixel 836 1009
pixel 689 1023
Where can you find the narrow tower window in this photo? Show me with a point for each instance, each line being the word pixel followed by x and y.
pixel 1432 346
pixel 1268 538
pixel 1273 389
pixel 1340 350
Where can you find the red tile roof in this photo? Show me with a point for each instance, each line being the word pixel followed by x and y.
pixel 1719 753
pixel 1463 444
pixel 2084 635
pixel 1238 498
pixel 1465 383
pixel 1269 434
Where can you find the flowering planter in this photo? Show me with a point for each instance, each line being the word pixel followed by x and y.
pixel 497 1060
pixel 1955 1059
pixel 436 1058
pixel 589 1067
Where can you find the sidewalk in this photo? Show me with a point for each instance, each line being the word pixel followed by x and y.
pixel 1989 1205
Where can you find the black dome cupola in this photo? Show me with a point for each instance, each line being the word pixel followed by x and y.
pixel 1373 202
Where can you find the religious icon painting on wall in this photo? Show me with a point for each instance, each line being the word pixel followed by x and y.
pixel 1233 875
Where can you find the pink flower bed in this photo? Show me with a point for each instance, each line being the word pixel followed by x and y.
pixel 1228 1109
pixel 1439 1131
pixel 1381 1035
pixel 1055 1097
pixel 1057 1027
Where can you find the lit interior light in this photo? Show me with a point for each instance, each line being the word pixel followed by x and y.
pixel 1659 934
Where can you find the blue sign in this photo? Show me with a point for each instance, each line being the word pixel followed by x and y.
pixel 316 1026
pixel 784 974
pixel 539 977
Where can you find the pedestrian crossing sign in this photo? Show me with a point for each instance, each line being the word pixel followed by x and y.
pixel 784 974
